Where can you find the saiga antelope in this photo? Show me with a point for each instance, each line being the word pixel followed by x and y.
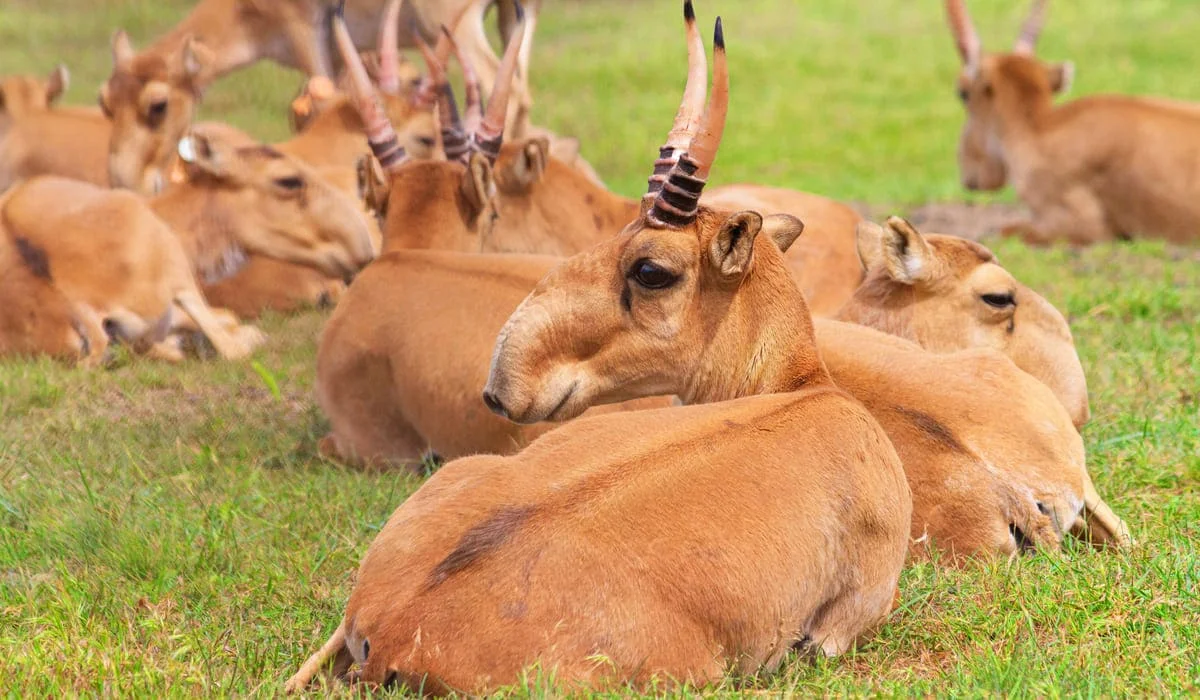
pixel 615 549
pixel 237 200
pixel 1093 169
pixel 946 293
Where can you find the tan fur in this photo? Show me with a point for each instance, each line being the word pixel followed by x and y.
pixel 619 547
pixel 993 460
pixel 823 261
pixel 137 262
pixel 36 318
pixel 38 137
pixel 403 360
pixel 108 251
pixel 410 345
pixel 545 206
pixel 333 143
pixel 1093 169
pixel 219 36
pixel 947 293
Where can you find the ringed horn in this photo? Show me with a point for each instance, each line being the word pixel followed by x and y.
pixel 676 192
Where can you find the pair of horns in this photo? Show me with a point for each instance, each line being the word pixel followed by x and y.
pixel 486 137
pixel 435 89
pixel 967 39
pixel 687 156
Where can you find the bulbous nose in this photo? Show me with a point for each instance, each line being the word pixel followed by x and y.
pixel 494 404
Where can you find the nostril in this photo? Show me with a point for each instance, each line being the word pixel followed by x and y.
pixel 494 404
pixel 1042 508
pixel 111 329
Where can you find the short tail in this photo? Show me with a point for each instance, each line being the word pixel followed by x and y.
pixel 1104 527
pixel 334 648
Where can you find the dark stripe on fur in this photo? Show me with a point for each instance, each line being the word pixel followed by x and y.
pixel 34 258
pixel 482 539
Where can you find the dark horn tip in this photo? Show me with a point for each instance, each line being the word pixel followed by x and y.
pixel 520 11
pixel 689 12
pixel 341 10
pixel 719 36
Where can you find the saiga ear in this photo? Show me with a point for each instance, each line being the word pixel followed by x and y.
pixel 57 83
pixel 478 184
pixel 207 154
pixel 195 60
pixel 374 187
pixel 1061 75
pixel 906 255
pixel 122 50
pixel 869 241
pixel 783 229
pixel 527 168
pixel 732 249
pixel 566 149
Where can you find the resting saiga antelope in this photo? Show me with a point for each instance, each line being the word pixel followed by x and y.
pixel 615 548
pixel 402 359
pixel 238 200
pixel 151 96
pixel 1093 169
pixel 946 293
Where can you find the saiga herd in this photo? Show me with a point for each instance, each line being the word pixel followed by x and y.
pixel 784 402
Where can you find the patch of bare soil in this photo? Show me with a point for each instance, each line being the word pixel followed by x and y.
pixel 965 219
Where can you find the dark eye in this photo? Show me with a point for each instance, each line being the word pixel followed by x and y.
pixel 156 111
pixel 962 93
pixel 651 276
pixel 987 91
pixel 291 184
pixel 999 301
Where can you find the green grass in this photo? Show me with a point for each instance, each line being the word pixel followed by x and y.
pixel 171 530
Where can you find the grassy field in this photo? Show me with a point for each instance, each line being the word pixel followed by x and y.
pixel 170 530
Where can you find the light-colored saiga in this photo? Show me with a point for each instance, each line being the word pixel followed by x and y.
pixel 1093 169
pixel 151 96
pixel 946 293
pixel 680 543
pixel 141 262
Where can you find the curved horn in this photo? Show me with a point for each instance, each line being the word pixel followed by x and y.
pixel 703 149
pixel 380 134
pixel 678 200
pixel 455 140
pixel 474 108
pixel 964 32
pixel 389 48
pixel 690 107
pixel 490 133
pixel 1031 29
pixel 426 95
